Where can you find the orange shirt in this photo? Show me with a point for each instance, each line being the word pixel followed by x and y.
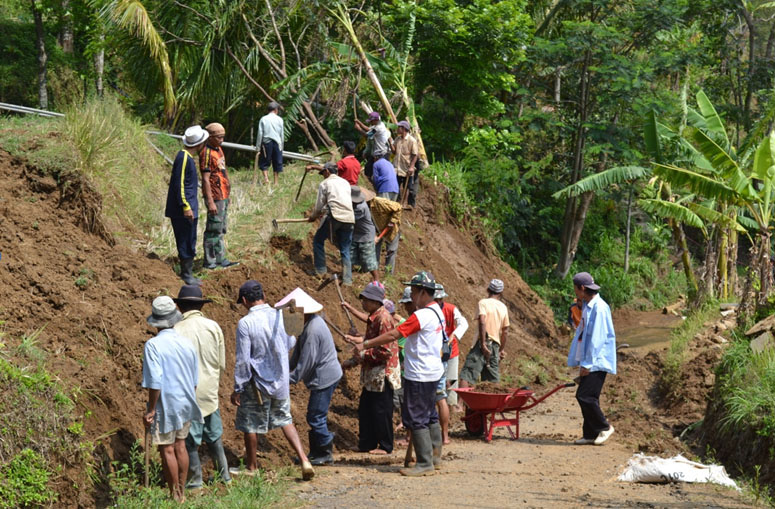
pixel 213 161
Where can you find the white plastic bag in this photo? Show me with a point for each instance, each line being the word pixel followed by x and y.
pixel 642 468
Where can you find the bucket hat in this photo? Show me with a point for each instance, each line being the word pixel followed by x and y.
pixel 164 313
pixel 440 293
pixel 373 291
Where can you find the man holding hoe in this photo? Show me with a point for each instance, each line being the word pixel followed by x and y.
pixel 422 371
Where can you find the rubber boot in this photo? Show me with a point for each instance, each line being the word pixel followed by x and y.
pixel 423 448
pixel 347 274
pixel 186 272
pixel 436 442
pixel 194 480
pixel 320 455
pixel 219 456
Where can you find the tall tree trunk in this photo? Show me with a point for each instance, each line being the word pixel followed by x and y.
pixel 765 269
pixel 66 31
pixel 576 207
pixel 732 263
pixel 751 63
pixel 627 231
pixel 40 35
pixel 723 245
pixel 679 238
pixel 710 269
pixel 99 66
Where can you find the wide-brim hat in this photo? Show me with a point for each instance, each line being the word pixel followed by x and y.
pixel 194 136
pixel 164 313
pixel 303 300
pixel 356 195
pixel 440 293
pixel 191 293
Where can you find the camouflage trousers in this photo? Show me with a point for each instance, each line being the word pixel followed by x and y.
pixel 215 229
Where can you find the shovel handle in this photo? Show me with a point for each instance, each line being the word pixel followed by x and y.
pixel 382 234
pixel 292 220
pixel 341 299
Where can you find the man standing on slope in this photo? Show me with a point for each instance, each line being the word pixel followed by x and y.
pixel 406 151
pixel 261 378
pixel 335 201
pixel 377 140
pixel 207 338
pixel 422 371
pixel 182 203
pixel 485 356
pixel 170 373
pixel 270 141
pixel 593 350
pixel 215 191
pixel 314 362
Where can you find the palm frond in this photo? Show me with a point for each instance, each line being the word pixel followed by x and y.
pixel 697 183
pixel 602 180
pixel 131 15
pixel 670 210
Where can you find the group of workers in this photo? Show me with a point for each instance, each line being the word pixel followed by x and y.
pixel 351 217
pixel 407 361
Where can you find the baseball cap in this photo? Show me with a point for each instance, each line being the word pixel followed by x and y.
pixel 249 287
pixel 585 279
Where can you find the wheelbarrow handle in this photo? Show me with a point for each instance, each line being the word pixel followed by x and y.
pixel 536 401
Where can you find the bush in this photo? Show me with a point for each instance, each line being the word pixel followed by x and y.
pixel 24 480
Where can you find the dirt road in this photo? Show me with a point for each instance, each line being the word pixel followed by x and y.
pixel 541 469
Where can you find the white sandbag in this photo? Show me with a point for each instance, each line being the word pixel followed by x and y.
pixel 642 468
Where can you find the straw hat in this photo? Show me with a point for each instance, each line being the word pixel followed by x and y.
pixel 303 300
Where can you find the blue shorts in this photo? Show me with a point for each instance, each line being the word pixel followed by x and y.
pixel 253 417
pixel 211 430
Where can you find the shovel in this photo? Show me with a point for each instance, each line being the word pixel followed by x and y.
pixel 276 222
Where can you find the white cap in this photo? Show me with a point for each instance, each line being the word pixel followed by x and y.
pixel 303 300
pixel 195 135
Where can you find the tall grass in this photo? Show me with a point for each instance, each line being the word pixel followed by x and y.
pixel 747 388
pixel 672 369
pixel 111 148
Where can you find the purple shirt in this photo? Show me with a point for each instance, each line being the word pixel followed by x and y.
pixel 384 177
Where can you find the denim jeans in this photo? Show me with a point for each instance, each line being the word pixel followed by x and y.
pixel 317 414
pixel 343 233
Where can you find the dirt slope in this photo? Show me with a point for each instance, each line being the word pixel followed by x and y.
pixel 90 296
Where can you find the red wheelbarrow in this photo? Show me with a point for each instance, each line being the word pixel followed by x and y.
pixel 482 407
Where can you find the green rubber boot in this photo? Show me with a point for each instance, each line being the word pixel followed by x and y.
pixel 436 442
pixel 421 439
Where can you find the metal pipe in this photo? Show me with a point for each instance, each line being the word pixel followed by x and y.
pixel 248 148
pixel 25 109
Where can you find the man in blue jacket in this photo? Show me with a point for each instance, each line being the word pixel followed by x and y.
pixel 182 205
pixel 593 350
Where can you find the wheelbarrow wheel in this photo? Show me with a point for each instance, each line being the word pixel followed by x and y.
pixel 476 422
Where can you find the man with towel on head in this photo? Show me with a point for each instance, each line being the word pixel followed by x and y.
pixel 314 362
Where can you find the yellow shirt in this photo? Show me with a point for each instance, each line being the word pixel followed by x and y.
pixel 495 315
pixel 383 212
pixel 207 338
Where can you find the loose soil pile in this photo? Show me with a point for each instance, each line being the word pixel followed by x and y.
pixel 63 274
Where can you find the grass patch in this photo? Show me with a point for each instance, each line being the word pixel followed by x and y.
pixel 267 489
pixel 670 378
pixel 41 433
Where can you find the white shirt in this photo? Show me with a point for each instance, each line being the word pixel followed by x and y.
pixel 334 193
pixel 270 127
pixel 422 351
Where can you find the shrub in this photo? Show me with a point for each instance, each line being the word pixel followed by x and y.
pixel 23 481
